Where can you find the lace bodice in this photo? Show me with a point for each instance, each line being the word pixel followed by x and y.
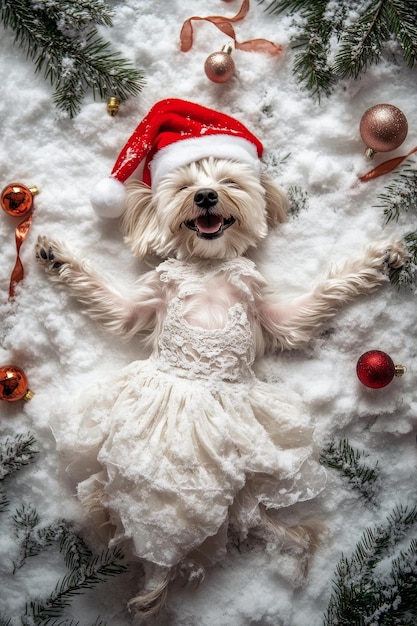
pixel 194 352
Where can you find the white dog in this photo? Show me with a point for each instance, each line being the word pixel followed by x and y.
pixel 189 444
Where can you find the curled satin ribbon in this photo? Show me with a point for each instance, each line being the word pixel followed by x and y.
pixel 17 201
pixel 386 167
pixel 20 235
pixel 224 24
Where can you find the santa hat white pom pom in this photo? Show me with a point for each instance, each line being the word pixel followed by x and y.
pixel 108 197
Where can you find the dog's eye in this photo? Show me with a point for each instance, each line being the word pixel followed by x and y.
pixel 230 183
pixel 182 188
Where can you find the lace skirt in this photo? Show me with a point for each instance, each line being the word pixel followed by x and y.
pixel 167 457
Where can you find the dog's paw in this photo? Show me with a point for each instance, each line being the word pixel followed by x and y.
pixel 191 572
pixel 396 255
pixel 52 255
pixel 389 255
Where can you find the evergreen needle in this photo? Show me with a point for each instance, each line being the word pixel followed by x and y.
pixel 339 46
pixel 15 453
pixel 62 40
pixel 361 595
pixel 348 461
pixel 400 197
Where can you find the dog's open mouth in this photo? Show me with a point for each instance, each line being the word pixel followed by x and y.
pixel 210 226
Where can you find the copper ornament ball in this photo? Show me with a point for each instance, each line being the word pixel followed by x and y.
pixel 219 66
pixel 13 384
pixel 17 199
pixel 383 128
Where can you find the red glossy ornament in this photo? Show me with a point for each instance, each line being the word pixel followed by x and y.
pixel 376 369
pixel 219 66
pixel 13 384
pixel 383 128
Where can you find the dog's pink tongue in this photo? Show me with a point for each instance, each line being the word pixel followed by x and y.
pixel 208 224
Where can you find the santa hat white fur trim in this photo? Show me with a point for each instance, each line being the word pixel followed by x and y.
pixel 189 150
pixel 108 197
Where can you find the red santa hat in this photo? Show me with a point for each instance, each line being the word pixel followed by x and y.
pixel 174 133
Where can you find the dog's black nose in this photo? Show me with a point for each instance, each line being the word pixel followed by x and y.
pixel 206 198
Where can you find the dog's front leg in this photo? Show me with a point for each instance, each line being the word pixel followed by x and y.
pixel 103 302
pixel 292 326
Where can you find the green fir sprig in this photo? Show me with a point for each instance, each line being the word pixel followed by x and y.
pixel 85 569
pixel 61 38
pixel 96 570
pixel 363 593
pixel 348 461
pixel 297 200
pixel 15 453
pixel 336 45
pixel 399 198
pixel 33 538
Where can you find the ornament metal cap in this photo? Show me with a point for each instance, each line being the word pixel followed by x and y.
pixel 28 395
pixel 400 370
pixel 228 48
pixel 370 153
pixel 113 106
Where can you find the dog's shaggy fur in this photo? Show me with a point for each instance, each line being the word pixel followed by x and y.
pixel 213 209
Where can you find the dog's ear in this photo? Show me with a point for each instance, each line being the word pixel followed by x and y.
pixel 139 222
pixel 276 202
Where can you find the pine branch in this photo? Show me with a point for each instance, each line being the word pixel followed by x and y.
pixel 297 200
pixel 396 601
pixel 357 587
pixel 71 622
pixel 25 521
pixel 15 453
pixel 347 461
pixel 362 44
pixel 402 18
pixel 400 197
pixel 99 569
pixel 4 502
pixel 407 274
pixel 34 539
pixel 327 29
pixel 72 546
pixel 86 570
pixel 62 40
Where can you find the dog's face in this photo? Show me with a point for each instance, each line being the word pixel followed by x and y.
pixel 212 208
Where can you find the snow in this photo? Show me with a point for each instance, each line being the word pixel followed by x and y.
pixel 315 147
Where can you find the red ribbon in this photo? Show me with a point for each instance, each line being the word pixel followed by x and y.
pixel 20 235
pixel 225 25
pixel 386 167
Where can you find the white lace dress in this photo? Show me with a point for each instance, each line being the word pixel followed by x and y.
pixel 189 440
